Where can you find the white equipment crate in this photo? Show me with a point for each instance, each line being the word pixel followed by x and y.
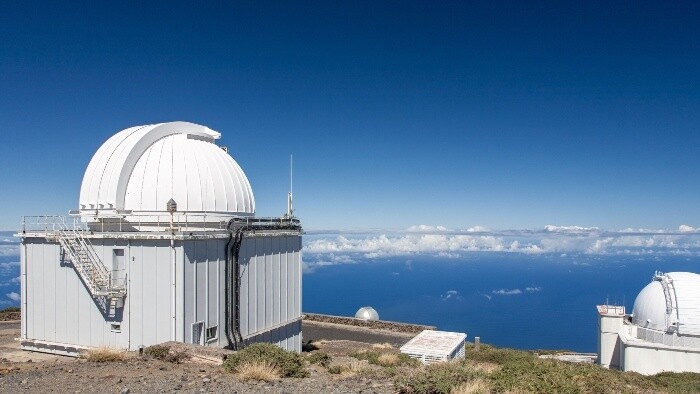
pixel 435 346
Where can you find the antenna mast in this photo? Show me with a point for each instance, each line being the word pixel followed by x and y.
pixel 290 206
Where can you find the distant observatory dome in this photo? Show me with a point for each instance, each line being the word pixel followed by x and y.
pixel 670 303
pixel 140 169
pixel 367 313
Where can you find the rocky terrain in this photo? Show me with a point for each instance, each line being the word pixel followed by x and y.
pixel 27 372
pixel 361 364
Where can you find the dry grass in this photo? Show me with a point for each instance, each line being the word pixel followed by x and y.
pixel 476 386
pixel 487 368
pixel 384 345
pixel 388 359
pixel 257 370
pixel 345 371
pixel 105 355
pixel 353 369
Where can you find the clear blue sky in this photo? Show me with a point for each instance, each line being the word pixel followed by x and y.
pixel 397 113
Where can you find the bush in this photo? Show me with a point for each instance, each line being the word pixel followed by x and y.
pixel 348 370
pixel 258 370
pixel 159 352
pixel 11 309
pixel 439 378
pixel 386 359
pixel 336 369
pixel 320 358
pixel 164 353
pixel 289 364
pixel 105 355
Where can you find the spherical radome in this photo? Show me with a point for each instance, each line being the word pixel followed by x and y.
pixel 367 313
pixel 139 169
pixel 670 303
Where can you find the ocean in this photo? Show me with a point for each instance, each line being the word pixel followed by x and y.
pixel 509 300
pixel 518 300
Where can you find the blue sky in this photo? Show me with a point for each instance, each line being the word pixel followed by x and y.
pixel 507 116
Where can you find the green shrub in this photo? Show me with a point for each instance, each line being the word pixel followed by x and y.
pixel 336 369
pixel 159 352
pixel 383 359
pixel 289 364
pixel 321 358
pixel 164 353
pixel 11 309
pixel 685 382
pixel 439 378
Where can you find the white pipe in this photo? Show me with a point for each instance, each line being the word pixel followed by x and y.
pixel 173 289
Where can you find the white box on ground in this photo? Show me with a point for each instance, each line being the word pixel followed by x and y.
pixel 435 346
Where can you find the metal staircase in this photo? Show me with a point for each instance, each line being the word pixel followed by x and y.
pixel 88 265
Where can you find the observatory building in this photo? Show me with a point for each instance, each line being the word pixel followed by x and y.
pixel 663 332
pixel 367 313
pixel 165 246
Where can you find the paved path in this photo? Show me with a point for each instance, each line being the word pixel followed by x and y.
pixel 9 345
pixel 316 331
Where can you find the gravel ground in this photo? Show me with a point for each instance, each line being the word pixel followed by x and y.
pixel 10 316
pixel 28 372
pixel 150 376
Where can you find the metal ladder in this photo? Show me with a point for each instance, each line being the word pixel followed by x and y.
pixel 88 265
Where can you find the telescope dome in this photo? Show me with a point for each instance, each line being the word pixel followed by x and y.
pixel 140 170
pixel 670 303
pixel 367 313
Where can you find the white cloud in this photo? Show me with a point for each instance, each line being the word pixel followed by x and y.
pixel 533 289
pixel 569 229
pixel 684 228
pixel 507 292
pixel 13 296
pixel 9 250
pixel 7 267
pixel 451 295
pixel 423 228
pixel 335 248
pixel 477 229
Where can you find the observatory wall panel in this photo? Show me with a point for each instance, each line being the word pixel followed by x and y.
pixel 149 297
pixel 270 293
pixel 204 263
pixel 59 308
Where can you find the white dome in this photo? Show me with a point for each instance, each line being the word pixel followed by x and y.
pixel 367 313
pixel 670 303
pixel 141 168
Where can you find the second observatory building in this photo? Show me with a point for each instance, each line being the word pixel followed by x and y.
pixel 165 246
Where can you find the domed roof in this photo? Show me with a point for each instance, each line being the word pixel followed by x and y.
pixel 367 313
pixel 670 303
pixel 141 168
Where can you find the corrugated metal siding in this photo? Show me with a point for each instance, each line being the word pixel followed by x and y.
pixel 270 283
pixel 149 293
pixel 60 308
pixel 204 286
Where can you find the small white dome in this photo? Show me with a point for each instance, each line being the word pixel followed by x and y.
pixel 141 168
pixel 367 313
pixel 670 303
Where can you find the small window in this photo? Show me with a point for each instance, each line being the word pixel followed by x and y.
pixel 211 333
pixel 197 331
pixel 116 327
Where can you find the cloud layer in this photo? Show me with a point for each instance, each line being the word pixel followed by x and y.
pixel 441 242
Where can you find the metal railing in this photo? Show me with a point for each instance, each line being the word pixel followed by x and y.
pixel 662 338
pixel 86 261
pixel 180 222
